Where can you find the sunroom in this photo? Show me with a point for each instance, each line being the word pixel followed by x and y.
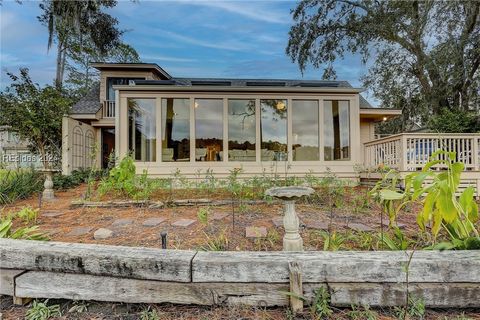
pixel 261 129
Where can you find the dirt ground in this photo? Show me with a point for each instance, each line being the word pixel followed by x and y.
pixel 346 220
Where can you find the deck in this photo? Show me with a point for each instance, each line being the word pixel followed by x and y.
pixel 409 152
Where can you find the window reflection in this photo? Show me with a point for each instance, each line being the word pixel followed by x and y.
pixel 273 130
pixel 142 129
pixel 337 130
pixel 305 130
pixel 208 129
pixel 175 130
pixel 241 130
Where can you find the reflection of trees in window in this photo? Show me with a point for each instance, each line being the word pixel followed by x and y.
pixel 273 129
pixel 241 130
pixel 305 130
pixel 142 129
pixel 337 130
pixel 208 129
pixel 175 129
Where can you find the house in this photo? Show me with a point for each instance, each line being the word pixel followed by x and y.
pixel 192 125
pixel 14 152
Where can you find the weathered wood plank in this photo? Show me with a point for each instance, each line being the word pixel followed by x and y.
pixel 434 295
pixel 7 281
pixel 129 262
pixel 296 289
pixel 348 266
pixel 38 284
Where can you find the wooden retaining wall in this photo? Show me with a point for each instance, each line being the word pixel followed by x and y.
pixel 33 269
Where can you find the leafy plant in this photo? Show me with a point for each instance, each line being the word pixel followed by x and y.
pixel 28 233
pixel 19 184
pixel 78 307
pixel 398 242
pixel 333 241
pixel 28 214
pixel 362 313
pixel 321 304
pixel 42 311
pixel 216 243
pixel 203 214
pixel 149 314
pixel 415 309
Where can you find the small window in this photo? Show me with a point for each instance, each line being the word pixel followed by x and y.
pixel 305 130
pixel 175 130
pixel 337 130
pixel 241 130
pixel 142 131
pixel 208 129
pixel 273 130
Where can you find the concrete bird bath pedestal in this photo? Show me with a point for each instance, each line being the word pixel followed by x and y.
pixel 48 193
pixel 291 240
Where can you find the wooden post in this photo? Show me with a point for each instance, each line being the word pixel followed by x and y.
pixel 296 288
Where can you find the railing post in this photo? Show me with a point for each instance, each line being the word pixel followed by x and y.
pixel 403 153
pixel 475 153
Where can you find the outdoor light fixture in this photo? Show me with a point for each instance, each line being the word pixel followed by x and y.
pixel 384 118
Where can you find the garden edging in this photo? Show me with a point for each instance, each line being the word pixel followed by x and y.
pixel 35 269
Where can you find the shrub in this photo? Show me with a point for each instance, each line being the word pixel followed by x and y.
pixel 19 184
pixel 64 182
pixel 41 311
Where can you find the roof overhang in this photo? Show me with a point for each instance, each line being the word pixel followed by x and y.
pixel 153 67
pixel 379 114
pixel 172 88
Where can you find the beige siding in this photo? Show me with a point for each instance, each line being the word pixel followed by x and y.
pixel 367 133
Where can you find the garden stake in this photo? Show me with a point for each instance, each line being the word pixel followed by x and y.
pixel 163 235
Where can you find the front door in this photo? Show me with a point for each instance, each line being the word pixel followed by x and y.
pixel 108 146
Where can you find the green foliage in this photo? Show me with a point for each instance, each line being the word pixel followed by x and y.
pixel 19 184
pixel 28 214
pixel 415 309
pixel 362 313
pixel 27 233
pixel 398 241
pixel 454 121
pixel 42 311
pixel 321 304
pixel 387 193
pixel 216 243
pixel 35 113
pixel 65 182
pixel 149 314
pixel 333 241
pixel 203 214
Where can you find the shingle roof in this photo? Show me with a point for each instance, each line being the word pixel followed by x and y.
pixel 88 104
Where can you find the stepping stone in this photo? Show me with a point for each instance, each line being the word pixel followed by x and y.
pixel 219 216
pixel 183 223
pixel 360 227
pixel 317 225
pixel 79 231
pixel 52 214
pixel 255 232
pixel 102 233
pixel 278 221
pixel 122 222
pixel 153 222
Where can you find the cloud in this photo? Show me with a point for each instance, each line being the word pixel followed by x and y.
pixel 252 10
pixel 167 58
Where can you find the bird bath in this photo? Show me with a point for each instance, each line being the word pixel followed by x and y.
pixel 291 240
pixel 48 193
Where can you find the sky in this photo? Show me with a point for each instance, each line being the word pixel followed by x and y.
pixel 187 38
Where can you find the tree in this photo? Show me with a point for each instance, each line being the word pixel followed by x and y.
pixel 34 113
pixel 427 53
pixel 68 21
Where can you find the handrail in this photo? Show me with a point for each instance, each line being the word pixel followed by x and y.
pixel 108 109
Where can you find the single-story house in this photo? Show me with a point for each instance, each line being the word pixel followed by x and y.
pixel 189 125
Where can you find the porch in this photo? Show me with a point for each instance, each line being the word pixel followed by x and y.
pixel 409 152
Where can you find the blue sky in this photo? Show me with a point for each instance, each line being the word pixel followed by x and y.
pixel 186 38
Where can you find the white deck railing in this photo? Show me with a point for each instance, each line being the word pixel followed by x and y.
pixel 411 151
pixel 108 109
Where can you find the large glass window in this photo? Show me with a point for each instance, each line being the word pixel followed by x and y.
pixel 175 130
pixel 337 130
pixel 142 129
pixel 305 130
pixel 241 130
pixel 273 130
pixel 208 129
pixel 118 81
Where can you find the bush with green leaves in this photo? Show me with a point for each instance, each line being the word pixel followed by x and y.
pixel 77 177
pixel 26 214
pixel 42 311
pixel 19 184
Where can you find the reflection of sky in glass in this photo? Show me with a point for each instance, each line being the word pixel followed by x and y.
pixel 181 116
pixel 274 121
pixel 241 121
pixel 144 116
pixel 208 119
pixel 305 123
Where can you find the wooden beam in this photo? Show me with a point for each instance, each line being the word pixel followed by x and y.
pixel 296 289
pixel 37 284
pixel 7 281
pixel 345 266
pixel 116 261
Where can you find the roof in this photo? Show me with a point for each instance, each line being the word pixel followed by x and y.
pixel 89 103
pixel 140 66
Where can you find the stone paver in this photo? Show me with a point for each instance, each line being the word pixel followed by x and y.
pixel 102 233
pixel 79 231
pixel 52 214
pixel 183 223
pixel 122 222
pixel 255 232
pixel 317 225
pixel 360 227
pixel 278 221
pixel 153 222
pixel 219 216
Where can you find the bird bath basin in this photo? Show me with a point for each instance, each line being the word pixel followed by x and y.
pixel 291 240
